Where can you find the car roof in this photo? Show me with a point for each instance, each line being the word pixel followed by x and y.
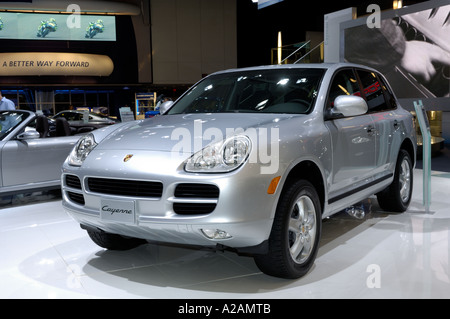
pixel 71 111
pixel 76 111
pixel 19 110
pixel 327 66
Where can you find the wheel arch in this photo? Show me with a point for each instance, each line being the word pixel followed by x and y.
pixel 408 146
pixel 311 172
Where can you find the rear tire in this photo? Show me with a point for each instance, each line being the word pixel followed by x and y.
pixel 397 196
pixel 113 241
pixel 295 235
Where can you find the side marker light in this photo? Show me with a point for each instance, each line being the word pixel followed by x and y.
pixel 273 185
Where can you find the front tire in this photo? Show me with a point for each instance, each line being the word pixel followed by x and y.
pixel 397 196
pixel 295 235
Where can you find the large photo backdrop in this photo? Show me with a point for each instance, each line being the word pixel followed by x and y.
pixel 411 49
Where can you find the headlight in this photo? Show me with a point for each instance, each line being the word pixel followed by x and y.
pixel 81 150
pixel 220 157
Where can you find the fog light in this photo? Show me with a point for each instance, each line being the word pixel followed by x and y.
pixel 216 234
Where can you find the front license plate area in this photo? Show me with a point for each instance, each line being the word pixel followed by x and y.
pixel 117 211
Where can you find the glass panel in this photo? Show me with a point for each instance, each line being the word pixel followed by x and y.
pixel 373 91
pixel 291 91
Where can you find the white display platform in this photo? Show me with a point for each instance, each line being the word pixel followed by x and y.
pixel 45 254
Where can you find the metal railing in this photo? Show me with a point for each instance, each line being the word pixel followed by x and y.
pixel 320 47
pixel 298 53
pixel 304 45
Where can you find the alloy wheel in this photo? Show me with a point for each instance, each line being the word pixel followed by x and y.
pixel 302 229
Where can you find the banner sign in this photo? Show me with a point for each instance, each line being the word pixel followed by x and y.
pixel 145 96
pixel 73 27
pixel 54 63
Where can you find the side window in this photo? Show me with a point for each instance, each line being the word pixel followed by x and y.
pixel 373 91
pixel 344 83
pixel 76 117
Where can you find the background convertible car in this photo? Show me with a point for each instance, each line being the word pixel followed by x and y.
pixel 250 160
pixel 30 159
pixel 75 118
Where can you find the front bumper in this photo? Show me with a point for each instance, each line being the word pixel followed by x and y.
pixel 241 208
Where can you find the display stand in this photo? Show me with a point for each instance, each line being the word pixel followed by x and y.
pixel 126 115
pixel 85 116
pixel 145 103
pixel 426 152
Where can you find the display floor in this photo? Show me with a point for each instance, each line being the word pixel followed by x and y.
pixel 45 254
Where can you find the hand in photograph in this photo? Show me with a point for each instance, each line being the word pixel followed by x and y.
pixel 421 58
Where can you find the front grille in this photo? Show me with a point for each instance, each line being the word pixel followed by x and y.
pixel 123 187
pixel 187 190
pixel 193 192
pixel 75 197
pixel 73 181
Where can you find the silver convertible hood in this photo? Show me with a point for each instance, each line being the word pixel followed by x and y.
pixel 190 132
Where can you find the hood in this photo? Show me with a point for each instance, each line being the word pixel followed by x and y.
pixel 185 133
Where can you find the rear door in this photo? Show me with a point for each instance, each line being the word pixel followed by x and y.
pixel 382 105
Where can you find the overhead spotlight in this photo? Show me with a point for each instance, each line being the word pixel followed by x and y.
pixel 279 47
pixel 398 4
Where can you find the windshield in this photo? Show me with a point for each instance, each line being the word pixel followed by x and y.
pixel 9 120
pixel 290 91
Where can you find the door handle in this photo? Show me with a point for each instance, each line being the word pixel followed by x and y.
pixel 371 130
pixel 395 124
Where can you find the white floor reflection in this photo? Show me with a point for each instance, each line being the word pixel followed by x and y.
pixel 364 253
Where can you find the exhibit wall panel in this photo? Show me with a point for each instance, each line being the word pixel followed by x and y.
pixel 142 31
pixel 410 46
pixel 192 38
pixel 188 37
pixel 332 39
pixel 446 126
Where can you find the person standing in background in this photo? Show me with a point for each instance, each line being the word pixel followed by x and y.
pixel 6 104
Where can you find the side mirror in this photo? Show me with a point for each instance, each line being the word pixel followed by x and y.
pixel 350 105
pixel 28 135
pixel 164 107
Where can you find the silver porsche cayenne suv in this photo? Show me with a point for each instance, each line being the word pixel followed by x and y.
pixel 249 160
